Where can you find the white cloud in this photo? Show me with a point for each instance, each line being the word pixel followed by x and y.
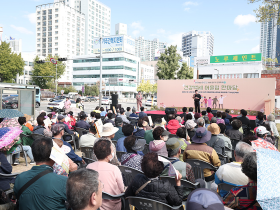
pixel 137 28
pixel 175 39
pixel 189 3
pixel 256 49
pixel 161 31
pixel 243 20
pixel 246 39
pixel 32 17
pixel 22 29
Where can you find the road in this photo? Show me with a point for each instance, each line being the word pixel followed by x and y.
pixel 90 106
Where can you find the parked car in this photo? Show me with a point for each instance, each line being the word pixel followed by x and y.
pixel 90 99
pixel 59 105
pixel 57 98
pixel 106 101
pixel 38 104
pixel 149 102
pixel 11 101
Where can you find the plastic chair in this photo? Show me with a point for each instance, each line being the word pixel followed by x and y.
pixel 129 174
pixel 22 136
pixel 223 158
pixel 81 131
pixel 87 152
pixel 88 160
pixel 149 204
pixel 119 154
pixel 226 187
pixel 3 176
pixel 184 182
pixel 72 140
pixel 107 196
pixel 233 143
pixel 36 136
pixel 146 149
pixel 11 159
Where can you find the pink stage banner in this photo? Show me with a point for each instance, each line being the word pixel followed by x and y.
pixel 248 94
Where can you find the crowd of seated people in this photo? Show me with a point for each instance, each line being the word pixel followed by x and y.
pixel 192 136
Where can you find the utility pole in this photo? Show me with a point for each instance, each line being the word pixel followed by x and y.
pixel 100 85
pixel 56 78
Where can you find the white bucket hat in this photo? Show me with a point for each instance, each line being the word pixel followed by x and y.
pixel 108 130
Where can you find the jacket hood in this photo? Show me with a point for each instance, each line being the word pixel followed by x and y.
pixel 155 148
pixel 174 123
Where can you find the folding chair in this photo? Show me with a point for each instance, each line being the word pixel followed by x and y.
pixel 36 136
pixel 233 143
pixel 129 174
pixel 107 196
pixel 119 154
pixel 3 176
pixel 10 157
pixel 87 152
pixel 198 167
pixel 184 182
pixel 226 187
pixel 81 131
pixel 72 140
pixel 23 136
pixel 149 204
pixel 223 158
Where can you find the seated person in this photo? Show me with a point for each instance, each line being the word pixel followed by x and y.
pixel 261 142
pixel 132 158
pixel 231 173
pixel 109 174
pixel 225 139
pixel 154 188
pixel 127 130
pixel 25 130
pixel 219 118
pixel 158 145
pixel 88 139
pixel 103 112
pixel 123 116
pixel 128 112
pixel 40 129
pixel 5 168
pixel 119 125
pixel 48 192
pixel 184 138
pixel 140 131
pixel 109 119
pixel 82 123
pixel 174 150
pixel 142 113
pixel 234 133
pixel 242 197
pixel 173 124
pixel 209 114
pixel 134 115
pixel 58 132
pixel 199 150
pixel 190 126
pixel 84 182
pixel 244 119
pixel 28 124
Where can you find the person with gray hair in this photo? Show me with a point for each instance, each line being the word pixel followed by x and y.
pixel 270 121
pixel 200 122
pixel 173 146
pixel 231 173
pixel 245 196
pixel 213 120
pixel 207 121
pixel 84 190
pixel 133 114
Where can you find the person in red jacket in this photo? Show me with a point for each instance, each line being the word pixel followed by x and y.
pixel 173 124
pixel 209 114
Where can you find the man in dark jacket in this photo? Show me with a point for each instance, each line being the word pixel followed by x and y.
pixel 82 123
pixel 183 115
pixel 244 119
pixel 5 168
pixel 40 129
pixel 142 113
pixel 140 131
pixel 234 133
pixel 228 115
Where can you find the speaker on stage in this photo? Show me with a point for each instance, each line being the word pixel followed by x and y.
pixel 170 111
pixel 214 112
pixel 115 99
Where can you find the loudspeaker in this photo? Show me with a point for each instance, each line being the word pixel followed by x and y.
pixel 115 99
pixel 170 111
pixel 214 112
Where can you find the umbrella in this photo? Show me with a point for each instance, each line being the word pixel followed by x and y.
pixel 268 193
pixel 9 137
pixel 10 113
pixel 75 110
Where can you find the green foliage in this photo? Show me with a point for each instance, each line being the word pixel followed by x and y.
pixel 154 88
pixel 66 89
pixel 185 72
pixel 269 63
pixel 267 10
pixel 47 69
pixel 168 63
pixel 91 90
pixel 11 64
pixel 146 87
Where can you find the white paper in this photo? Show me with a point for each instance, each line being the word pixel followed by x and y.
pixel 58 156
pixel 150 120
pixel 172 171
pixel 99 127
pixel 163 121
pixel 47 122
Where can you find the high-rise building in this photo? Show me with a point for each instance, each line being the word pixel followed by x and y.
pixel 16 45
pixel 121 29
pixel 145 49
pixel 270 39
pixel 60 30
pixel 197 44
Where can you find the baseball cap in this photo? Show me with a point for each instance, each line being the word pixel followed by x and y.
pixel 60 117
pixel 83 115
pixel 165 133
pixel 118 120
pixel 173 143
pixel 261 130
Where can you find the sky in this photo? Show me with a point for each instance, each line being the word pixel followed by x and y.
pixel 232 22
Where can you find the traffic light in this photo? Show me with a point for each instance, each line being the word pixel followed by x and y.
pixel 62 59
pixel 40 61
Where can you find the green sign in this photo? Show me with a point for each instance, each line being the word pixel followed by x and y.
pixel 236 58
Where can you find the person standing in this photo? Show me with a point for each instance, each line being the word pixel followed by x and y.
pixel 210 102
pixel 221 101
pixel 215 102
pixel 205 102
pixel 197 98
pixel 67 103
pixel 139 100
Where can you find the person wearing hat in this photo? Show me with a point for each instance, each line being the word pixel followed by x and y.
pixel 199 150
pixel 158 145
pixel 27 124
pixel 215 142
pixel 190 126
pixel 82 123
pixel 141 129
pixel 132 158
pixel 261 142
pixel 119 124
pixel 173 146
pixel 173 124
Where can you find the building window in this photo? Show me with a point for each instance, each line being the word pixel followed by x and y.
pixel 56 15
pixel 56 21
pixel 38 34
pixel 49 39
pixel 56 49
pixel 56 10
pixel 39 23
pixel 56 32
pixel 39 12
pixel 56 38
pixel 56 27
pixel 50 50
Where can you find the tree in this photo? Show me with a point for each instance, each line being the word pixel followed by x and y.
pixel 11 64
pixel 185 72
pixel 47 69
pixel 168 63
pixel 154 88
pixel 66 89
pixel 267 10
pixel 92 90
pixel 145 87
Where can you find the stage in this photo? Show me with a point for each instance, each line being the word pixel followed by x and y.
pixel 160 114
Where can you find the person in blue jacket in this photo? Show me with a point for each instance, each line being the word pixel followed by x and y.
pixel 5 168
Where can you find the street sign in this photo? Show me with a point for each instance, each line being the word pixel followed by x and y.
pixel 53 61
pixel 62 91
pixel 236 58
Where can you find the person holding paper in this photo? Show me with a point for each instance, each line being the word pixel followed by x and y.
pixel 148 185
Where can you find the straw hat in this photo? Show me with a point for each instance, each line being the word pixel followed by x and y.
pixel 214 129
pixel 108 130
pixel 190 124
pixel 28 117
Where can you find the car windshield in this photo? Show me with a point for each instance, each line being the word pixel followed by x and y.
pixel 9 97
pixel 57 101
pixel 105 98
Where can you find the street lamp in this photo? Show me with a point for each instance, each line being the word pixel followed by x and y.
pixel 218 77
